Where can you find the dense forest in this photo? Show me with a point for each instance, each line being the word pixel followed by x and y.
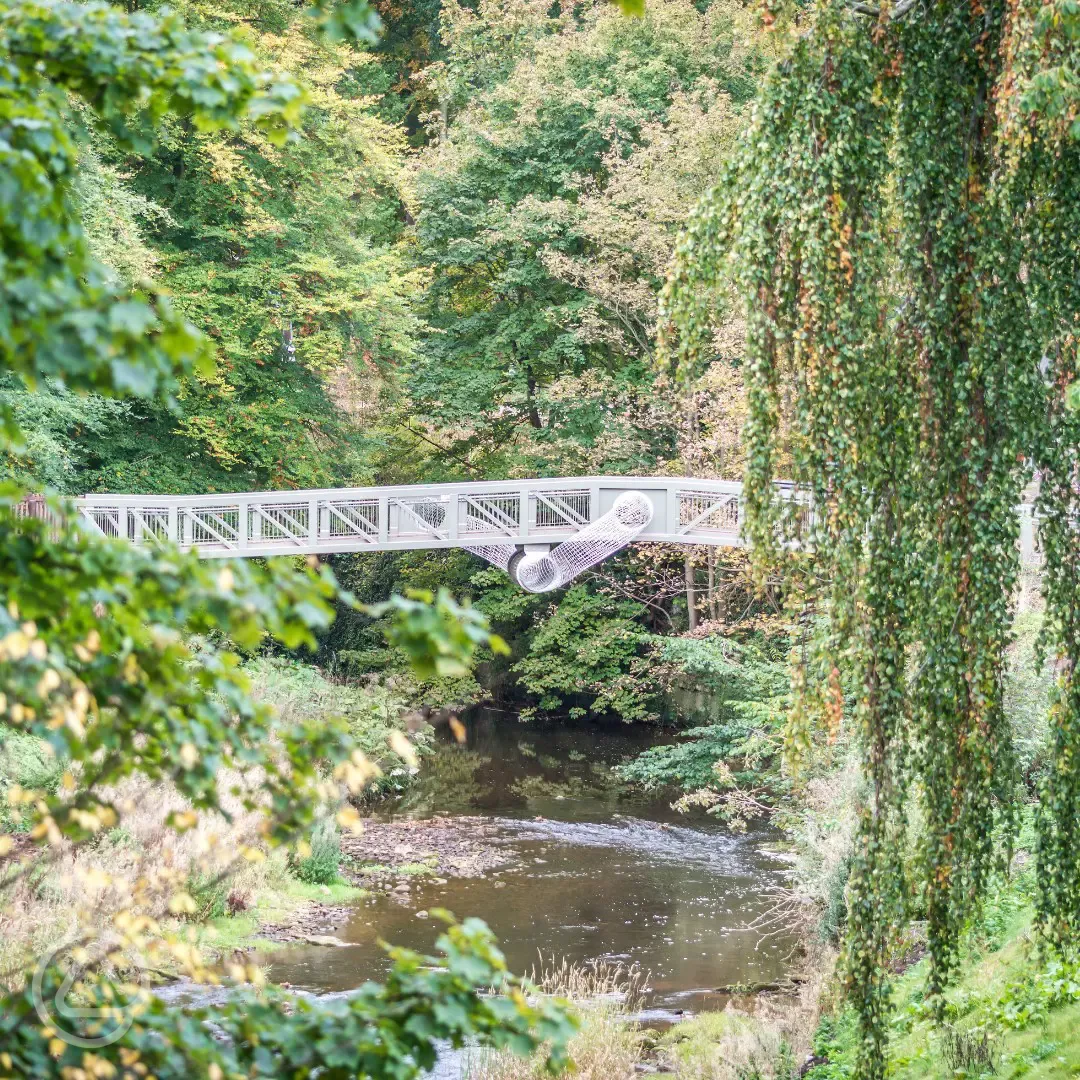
pixel 257 246
pixel 452 273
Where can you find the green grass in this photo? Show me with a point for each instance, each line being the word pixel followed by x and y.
pixel 1011 1012
pixel 241 931
pixel 724 1044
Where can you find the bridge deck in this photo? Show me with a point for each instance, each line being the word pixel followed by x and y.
pixel 542 512
pixel 512 512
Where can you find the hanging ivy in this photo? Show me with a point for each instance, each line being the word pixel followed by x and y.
pixel 902 224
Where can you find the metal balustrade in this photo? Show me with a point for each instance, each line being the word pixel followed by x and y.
pixel 488 515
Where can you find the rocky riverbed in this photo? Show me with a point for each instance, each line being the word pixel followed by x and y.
pixel 389 859
pixel 390 852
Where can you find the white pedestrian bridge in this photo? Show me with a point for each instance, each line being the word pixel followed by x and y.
pixel 543 532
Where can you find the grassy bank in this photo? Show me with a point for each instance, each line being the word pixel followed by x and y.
pixel 228 899
pixel 764 1036
pixel 1013 1011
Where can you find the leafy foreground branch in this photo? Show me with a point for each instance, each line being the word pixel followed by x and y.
pixel 382 1031
pixel 119 660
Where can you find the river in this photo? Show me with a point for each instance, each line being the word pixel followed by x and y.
pixel 598 873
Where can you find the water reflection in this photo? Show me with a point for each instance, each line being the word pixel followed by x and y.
pixel 598 872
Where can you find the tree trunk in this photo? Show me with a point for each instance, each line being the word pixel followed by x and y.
pixel 691 594
pixel 713 613
pixel 530 397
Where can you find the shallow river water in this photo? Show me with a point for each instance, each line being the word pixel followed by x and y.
pixel 598 873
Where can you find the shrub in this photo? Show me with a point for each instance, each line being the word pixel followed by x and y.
pixel 30 763
pixel 210 892
pixel 321 866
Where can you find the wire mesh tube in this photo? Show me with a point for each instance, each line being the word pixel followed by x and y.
pixel 498 554
pixel 539 573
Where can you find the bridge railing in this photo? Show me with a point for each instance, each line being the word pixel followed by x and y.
pixel 415 516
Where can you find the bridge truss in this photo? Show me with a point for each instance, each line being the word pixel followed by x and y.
pixel 543 532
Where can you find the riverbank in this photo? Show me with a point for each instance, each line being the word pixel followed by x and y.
pixel 387 860
pixel 755 1036
pixel 1013 1009
pixel 217 883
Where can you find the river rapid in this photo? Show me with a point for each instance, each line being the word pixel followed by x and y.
pixel 596 872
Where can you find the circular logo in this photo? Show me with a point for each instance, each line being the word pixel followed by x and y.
pixel 88 1020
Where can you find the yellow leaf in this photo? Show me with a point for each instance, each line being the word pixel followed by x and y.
pixel 403 748
pixel 181 903
pixel 131 670
pixel 226 580
pixel 15 645
pixel 71 718
pixel 458 728
pixel 48 682
pixel 189 756
pixel 183 820
pixel 6 844
pixel 349 819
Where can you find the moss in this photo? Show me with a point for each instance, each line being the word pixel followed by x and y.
pixel 417 869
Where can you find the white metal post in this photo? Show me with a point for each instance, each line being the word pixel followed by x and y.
pixel 453 511
pixel 524 514
pixel 384 519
